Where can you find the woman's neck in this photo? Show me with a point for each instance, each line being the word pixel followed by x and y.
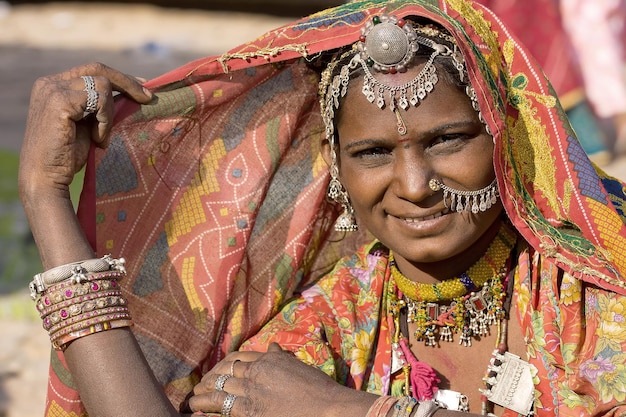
pixel 434 272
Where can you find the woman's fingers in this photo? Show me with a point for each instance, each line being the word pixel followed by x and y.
pixel 233 398
pixel 99 101
pixel 274 347
pixel 104 119
pixel 214 381
pixel 224 366
pixel 67 113
pixel 227 370
pixel 222 402
pixel 98 84
pixel 119 81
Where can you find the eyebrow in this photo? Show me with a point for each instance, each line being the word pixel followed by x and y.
pixel 364 142
pixel 452 125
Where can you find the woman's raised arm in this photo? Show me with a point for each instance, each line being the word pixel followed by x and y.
pixel 68 112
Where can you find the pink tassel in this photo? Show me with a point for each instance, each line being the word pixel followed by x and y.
pixel 424 380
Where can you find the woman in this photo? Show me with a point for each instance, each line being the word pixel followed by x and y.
pixel 250 211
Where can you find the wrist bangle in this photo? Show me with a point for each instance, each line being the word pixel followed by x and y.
pixel 56 325
pixel 75 271
pixel 427 408
pixel 80 299
pixel 62 297
pixel 381 406
pixel 62 342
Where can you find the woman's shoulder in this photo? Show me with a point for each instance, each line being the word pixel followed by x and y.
pixel 365 257
pixel 356 272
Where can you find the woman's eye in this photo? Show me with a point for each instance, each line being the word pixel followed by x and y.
pixel 371 152
pixel 449 139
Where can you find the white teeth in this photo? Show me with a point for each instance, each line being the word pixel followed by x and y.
pixel 421 219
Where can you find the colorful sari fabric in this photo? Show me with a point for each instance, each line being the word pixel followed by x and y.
pixel 539 25
pixel 576 333
pixel 215 192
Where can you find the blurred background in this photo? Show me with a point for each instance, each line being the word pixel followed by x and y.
pixel 144 39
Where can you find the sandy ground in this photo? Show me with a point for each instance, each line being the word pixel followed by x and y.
pixel 126 26
pixel 162 39
pixel 24 358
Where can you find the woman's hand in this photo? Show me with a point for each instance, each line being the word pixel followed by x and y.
pixel 58 137
pixel 276 384
pixel 55 147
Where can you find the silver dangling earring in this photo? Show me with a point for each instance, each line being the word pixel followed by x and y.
pixel 474 201
pixel 346 222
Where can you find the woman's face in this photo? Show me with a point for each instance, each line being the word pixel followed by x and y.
pixel 386 175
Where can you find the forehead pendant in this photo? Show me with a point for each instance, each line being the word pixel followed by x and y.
pixel 388 45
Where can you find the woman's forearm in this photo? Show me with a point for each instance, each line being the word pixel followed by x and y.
pixel 113 377
pixel 56 230
pixel 81 305
pixel 108 368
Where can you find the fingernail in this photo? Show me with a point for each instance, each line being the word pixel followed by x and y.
pixel 147 92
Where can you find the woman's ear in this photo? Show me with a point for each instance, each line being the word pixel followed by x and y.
pixel 325 149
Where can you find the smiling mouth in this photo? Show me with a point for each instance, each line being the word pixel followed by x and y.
pixel 421 219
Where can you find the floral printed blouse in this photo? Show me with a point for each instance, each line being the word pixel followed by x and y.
pixel 575 333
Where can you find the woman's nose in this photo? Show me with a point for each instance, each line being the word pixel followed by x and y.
pixel 411 176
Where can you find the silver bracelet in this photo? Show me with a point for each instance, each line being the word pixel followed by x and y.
pixel 76 271
pixel 427 408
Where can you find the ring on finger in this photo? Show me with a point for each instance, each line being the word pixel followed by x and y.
pixel 90 83
pixel 229 401
pixel 220 381
pixel 92 95
pixel 232 367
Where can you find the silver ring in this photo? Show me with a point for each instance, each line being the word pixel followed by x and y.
pixel 90 83
pixel 232 367
pixel 228 405
pixel 92 95
pixel 220 381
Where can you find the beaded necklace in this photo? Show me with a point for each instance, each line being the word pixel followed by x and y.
pixel 471 314
pixel 476 276
pixel 472 309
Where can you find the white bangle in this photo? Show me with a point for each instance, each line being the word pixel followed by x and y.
pixel 427 408
pixel 76 271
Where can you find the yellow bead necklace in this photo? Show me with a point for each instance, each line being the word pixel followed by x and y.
pixel 486 268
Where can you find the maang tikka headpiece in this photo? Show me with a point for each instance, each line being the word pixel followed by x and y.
pixel 386 45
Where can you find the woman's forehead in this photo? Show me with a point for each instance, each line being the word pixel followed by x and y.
pixel 445 105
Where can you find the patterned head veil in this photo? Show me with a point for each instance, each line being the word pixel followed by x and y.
pixel 216 192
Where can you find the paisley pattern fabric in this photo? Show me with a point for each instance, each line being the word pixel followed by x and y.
pixel 576 333
pixel 215 192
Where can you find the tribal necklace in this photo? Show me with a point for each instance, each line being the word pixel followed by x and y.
pixel 475 297
pixel 471 314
